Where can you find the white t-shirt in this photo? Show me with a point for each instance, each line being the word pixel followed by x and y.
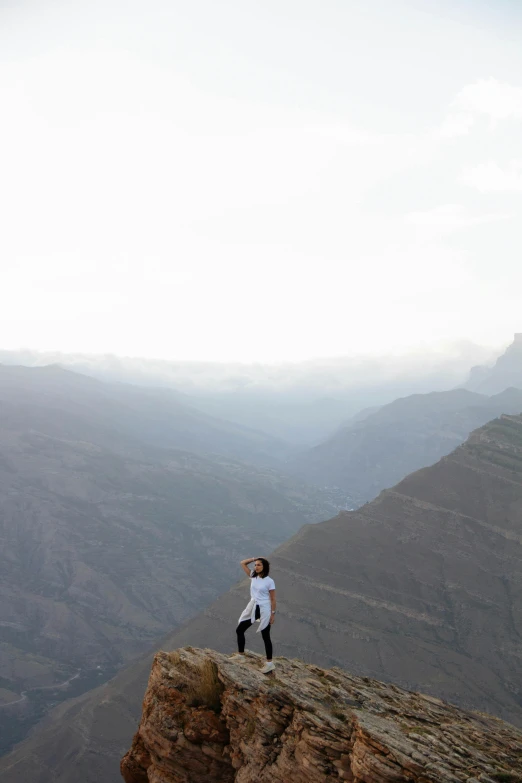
pixel 259 588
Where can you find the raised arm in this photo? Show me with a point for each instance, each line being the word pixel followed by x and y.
pixel 244 564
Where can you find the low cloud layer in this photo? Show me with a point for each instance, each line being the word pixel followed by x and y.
pixel 427 368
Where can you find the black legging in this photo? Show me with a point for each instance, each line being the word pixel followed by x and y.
pixel 265 633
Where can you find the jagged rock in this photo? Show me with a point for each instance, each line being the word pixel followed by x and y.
pixel 207 718
pixel 506 372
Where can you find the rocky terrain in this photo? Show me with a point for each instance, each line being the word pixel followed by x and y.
pixel 421 587
pixel 377 451
pixel 108 541
pixel 505 372
pixel 207 719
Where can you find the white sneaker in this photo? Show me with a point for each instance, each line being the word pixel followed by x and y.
pixel 237 657
pixel 268 667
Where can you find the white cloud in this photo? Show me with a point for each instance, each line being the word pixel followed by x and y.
pixel 489 177
pixel 497 100
pixel 447 217
pixel 455 125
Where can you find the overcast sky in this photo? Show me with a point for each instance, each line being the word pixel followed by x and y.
pixel 259 181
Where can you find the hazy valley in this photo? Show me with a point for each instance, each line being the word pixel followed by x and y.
pixel 109 541
pixel 421 587
pixel 125 510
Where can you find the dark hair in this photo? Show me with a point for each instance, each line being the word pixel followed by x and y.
pixel 264 572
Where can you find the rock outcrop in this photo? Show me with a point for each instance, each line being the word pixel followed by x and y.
pixel 209 719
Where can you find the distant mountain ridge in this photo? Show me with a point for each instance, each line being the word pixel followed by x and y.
pixel 410 433
pixel 506 372
pixel 298 402
pixel 421 587
pixel 159 417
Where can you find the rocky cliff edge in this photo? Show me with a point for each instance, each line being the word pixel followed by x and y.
pixel 207 718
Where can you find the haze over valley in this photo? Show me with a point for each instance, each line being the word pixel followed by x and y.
pixel 126 508
pixel 260 297
pixel 379 447
pixel 109 539
pixel 421 587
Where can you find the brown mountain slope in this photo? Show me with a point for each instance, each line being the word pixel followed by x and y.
pixel 409 433
pixel 422 587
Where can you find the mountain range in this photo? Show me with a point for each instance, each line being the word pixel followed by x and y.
pixel 110 536
pixel 87 464
pixel 158 417
pixel 301 403
pixel 421 587
pixel 383 446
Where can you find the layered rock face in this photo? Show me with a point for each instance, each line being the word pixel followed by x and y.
pixel 209 719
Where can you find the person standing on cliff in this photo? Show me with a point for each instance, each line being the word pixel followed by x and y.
pixel 261 607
